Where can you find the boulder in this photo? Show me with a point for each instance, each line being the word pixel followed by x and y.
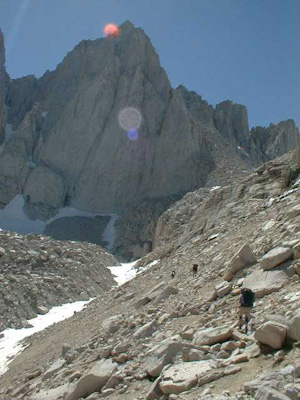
pixel 265 282
pixel 235 359
pixel 189 354
pixel 182 377
pixel 42 310
pixel 212 335
pixel 146 330
pixel 276 257
pixel 54 368
pixel 294 328
pixel 165 293
pixel 160 356
pixel 252 351
pixel 2 252
pixel 121 348
pixel 112 324
pixel 243 258
pixel 159 293
pixel 223 288
pixel 141 302
pixel 297 269
pixel 154 392
pixel 93 381
pixel 268 393
pixel 271 333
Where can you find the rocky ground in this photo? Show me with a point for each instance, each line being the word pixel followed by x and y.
pixel 161 338
pixel 37 273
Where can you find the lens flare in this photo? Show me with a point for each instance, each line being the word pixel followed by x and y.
pixel 111 30
pixel 132 134
pixel 130 118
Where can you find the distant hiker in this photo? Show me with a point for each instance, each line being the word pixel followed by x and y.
pixel 173 274
pixel 195 270
pixel 246 303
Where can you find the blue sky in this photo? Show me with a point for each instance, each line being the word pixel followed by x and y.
pixel 247 51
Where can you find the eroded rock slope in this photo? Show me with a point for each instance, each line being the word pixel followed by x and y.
pixel 37 273
pixel 161 338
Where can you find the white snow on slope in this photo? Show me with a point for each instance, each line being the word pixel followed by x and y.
pixel 109 233
pixel 127 271
pixel 11 344
pixel 124 272
pixel 215 188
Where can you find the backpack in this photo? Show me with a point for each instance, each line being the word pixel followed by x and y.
pixel 247 298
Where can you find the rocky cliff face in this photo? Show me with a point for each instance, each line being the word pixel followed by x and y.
pixel 69 148
pixel 3 84
pixel 276 139
pixel 104 170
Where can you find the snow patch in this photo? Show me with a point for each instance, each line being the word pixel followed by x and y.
pixel 124 272
pixel 215 188
pixel 8 134
pixel 212 237
pixel 109 233
pixel 127 271
pixel 12 342
pixel 13 218
pixel 152 263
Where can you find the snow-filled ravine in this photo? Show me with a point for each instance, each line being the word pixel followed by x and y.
pixel 11 344
pixel 13 218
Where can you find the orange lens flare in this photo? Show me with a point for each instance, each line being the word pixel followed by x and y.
pixel 111 30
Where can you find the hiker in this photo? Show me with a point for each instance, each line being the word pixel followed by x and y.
pixel 246 303
pixel 195 270
pixel 173 273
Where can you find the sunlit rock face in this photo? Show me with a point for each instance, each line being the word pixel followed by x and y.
pixel 276 139
pixel 70 126
pixel 106 130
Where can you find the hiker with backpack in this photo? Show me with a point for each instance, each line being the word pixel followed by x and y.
pixel 195 270
pixel 246 303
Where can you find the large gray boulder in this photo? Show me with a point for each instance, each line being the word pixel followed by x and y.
pixel 112 324
pixel 265 282
pixel 275 257
pixel 182 377
pixel 271 333
pixel 243 258
pixel 146 330
pixel 294 328
pixel 161 355
pixel 212 335
pixel 268 393
pixel 93 381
